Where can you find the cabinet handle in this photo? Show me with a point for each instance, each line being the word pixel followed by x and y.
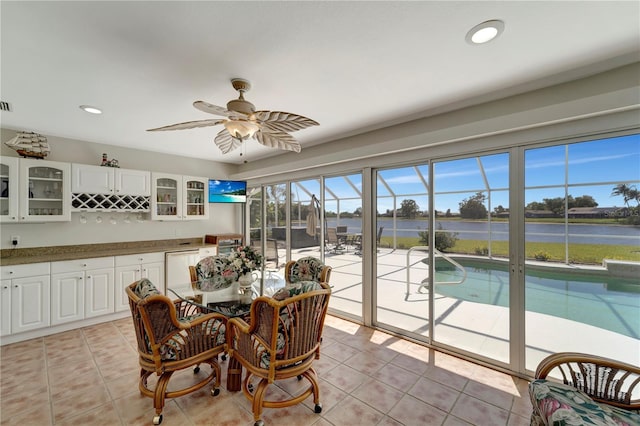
pixel 15 285
pixel 84 265
pixel 89 276
pixel 6 286
pixel 10 272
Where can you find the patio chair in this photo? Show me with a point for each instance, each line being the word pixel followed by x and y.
pixel 334 241
pixel 172 336
pixel 271 255
pixel 306 269
pixel 281 341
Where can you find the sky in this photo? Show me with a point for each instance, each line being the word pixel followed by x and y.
pixel 588 168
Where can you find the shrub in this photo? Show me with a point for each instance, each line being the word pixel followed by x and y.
pixel 541 255
pixel 444 240
pixel 482 251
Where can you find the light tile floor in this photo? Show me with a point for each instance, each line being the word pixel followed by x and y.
pixel 90 375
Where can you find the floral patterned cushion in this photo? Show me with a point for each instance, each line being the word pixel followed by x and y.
pixel 299 287
pixel 560 404
pixel 306 269
pixel 144 288
pixel 215 273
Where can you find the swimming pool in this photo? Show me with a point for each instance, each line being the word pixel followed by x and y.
pixel 606 302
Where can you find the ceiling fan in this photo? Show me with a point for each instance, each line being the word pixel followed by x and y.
pixel 270 128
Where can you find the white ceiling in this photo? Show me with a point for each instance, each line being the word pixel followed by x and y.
pixel 351 66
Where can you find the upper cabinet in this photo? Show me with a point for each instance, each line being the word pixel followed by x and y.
pixel 9 188
pixel 108 188
pixel 44 191
pixel 177 197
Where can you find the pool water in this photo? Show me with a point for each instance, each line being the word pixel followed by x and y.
pixel 610 303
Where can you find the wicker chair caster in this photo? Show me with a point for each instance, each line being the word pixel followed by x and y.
pixel 196 370
pixel 299 377
pixel 157 419
pixel 215 392
pixel 259 423
pixel 318 408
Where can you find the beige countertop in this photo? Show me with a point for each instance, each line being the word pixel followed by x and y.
pixel 22 256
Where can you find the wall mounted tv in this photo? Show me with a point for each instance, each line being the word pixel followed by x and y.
pixel 227 191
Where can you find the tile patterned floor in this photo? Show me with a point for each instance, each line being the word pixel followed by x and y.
pixel 89 376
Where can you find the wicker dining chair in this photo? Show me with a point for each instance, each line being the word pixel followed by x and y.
pixel 281 341
pixel 306 269
pixel 173 335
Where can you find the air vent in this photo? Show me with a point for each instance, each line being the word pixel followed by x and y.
pixel 5 106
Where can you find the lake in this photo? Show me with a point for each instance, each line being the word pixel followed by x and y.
pixel 535 232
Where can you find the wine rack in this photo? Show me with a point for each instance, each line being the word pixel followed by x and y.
pixel 101 202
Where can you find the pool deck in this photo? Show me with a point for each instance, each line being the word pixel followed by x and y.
pixel 473 327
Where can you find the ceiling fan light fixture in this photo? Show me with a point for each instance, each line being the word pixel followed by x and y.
pixel 241 129
pixel 485 32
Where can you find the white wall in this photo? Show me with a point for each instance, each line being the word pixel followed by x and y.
pixel 222 217
pixel 604 102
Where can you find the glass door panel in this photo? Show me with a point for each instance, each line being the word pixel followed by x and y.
pixel 343 242
pixel 471 283
pixel 402 227
pixel 581 208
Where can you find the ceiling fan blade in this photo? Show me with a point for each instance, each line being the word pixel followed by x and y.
pixel 217 110
pixel 225 142
pixel 277 139
pixel 283 121
pixel 188 125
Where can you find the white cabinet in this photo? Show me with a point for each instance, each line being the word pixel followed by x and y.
pixel 177 197
pixel 34 190
pixel 9 189
pixel 44 191
pixel 131 268
pixel 5 306
pixel 81 289
pixel 109 180
pixel 97 188
pixel 27 297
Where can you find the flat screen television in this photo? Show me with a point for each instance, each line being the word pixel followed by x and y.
pixel 227 191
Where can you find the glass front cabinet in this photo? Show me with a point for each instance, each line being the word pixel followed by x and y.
pixel 177 197
pixel 34 190
pixel 45 191
pixel 9 188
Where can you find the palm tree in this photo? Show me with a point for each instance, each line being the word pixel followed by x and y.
pixel 627 192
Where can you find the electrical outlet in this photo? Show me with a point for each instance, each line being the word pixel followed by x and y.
pixel 15 240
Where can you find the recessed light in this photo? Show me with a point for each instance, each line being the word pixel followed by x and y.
pixel 485 32
pixel 91 109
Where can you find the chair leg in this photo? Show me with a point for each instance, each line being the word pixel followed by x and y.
pixel 159 396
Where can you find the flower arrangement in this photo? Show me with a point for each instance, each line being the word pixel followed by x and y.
pixel 245 259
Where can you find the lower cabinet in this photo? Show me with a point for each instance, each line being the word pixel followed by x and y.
pixel 131 268
pixel 25 297
pixel 81 289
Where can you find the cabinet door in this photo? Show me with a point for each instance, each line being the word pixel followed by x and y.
pixel 5 305
pixel 9 189
pixel 67 297
pixel 99 291
pixel 166 197
pixel 155 273
pixel 125 275
pixel 30 300
pixel 91 179
pixel 196 202
pixel 45 191
pixel 132 182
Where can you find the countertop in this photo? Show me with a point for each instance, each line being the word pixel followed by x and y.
pixel 22 256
